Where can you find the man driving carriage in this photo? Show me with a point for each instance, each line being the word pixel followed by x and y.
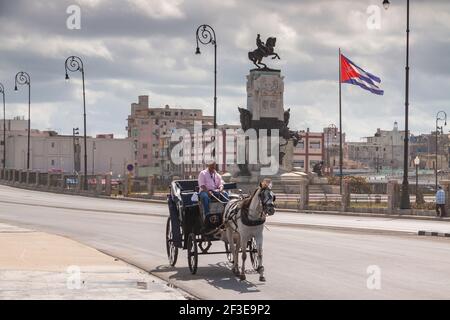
pixel 211 185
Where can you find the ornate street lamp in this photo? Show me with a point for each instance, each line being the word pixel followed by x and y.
pixel 75 64
pixel 206 35
pixel 405 200
pixel 23 78
pixel 2 91
pixel 440 116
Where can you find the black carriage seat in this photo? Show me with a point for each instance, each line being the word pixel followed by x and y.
pixel 187 189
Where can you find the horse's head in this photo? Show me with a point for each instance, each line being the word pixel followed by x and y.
pixel 267 197
pixel 271 41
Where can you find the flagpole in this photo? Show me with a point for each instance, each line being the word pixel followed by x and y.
pixel 340 126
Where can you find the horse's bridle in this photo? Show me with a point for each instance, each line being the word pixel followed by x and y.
pixel 264 201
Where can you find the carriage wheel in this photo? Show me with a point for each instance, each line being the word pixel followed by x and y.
pixel 192 252
pixel 253 250
pixel 228 251
pixel 172 250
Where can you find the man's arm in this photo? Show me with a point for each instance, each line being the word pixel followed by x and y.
pixel 220 181
pixel 201 182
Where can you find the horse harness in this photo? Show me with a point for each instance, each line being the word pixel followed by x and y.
pixel 243 205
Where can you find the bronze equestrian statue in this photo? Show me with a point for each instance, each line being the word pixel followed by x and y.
pixel 264 50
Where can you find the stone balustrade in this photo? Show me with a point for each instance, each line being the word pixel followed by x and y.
pixel 55 182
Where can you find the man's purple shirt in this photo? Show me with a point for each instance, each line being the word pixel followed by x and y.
pixel 212 181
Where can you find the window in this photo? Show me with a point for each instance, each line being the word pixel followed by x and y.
pixel 314 145
pixel 144 146
pixel 52 144
pixel 299 163
pixel 2 143
pixel 176 113
pixel 53 162
pixel 144 156
pixel 152 113
pixel 167 113
pixel 301 145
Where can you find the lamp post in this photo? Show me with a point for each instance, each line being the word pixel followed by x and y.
pixel 416 164
pixel 206 35
pixel 23 78
pixel 440 116
pixel 405 200
pixel 93 157
pixel 2 91
pixel 329 129
pixel 74 64
pixel 75 132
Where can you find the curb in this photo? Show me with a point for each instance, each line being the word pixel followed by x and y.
pixel 433 234
pixel 369 215
pixel 82 194
pixel 372 231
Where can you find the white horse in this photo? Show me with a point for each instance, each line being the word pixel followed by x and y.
pixel 244 221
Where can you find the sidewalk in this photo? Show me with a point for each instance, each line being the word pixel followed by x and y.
pixel 36 265
pixel 372 222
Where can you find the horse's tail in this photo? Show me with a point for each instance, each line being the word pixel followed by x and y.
pixel 251 55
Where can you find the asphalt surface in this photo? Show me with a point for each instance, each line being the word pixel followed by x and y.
pixel 303 257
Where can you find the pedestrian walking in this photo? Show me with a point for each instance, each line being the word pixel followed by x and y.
pixel 440 202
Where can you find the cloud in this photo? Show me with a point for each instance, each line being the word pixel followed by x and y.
pixel 158 9
pixel 147 47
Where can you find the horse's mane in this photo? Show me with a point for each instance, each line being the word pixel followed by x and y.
pixel 246 202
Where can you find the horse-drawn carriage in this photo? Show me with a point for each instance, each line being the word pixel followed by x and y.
pixel 188 229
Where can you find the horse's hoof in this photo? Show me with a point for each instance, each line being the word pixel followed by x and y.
pixel 262 279
pixel 242 277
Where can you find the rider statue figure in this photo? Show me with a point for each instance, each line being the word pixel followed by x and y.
pixel 264 50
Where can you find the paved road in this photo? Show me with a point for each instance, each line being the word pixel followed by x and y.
pixel 300 263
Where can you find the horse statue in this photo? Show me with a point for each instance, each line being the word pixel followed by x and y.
pixel 244 220
pixel 264 50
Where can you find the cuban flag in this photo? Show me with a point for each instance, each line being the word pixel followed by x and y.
pixel 351 73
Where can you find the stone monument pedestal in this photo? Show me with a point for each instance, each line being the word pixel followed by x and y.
pixel 265 111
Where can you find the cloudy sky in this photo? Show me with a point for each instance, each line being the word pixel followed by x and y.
pixel 136 47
